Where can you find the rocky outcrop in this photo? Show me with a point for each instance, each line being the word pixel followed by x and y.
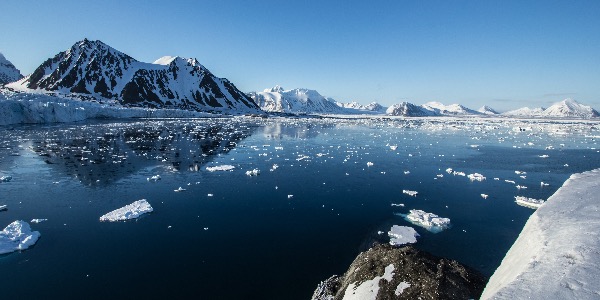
pixel 386 272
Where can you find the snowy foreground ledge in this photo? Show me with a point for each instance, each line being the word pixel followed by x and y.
pixel 127 212
pixel 17 236
pixel 557 255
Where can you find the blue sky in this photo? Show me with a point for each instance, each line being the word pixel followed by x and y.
pixel 505 54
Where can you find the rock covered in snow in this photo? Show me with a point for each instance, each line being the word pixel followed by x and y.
pixel 525 112
pixel 17 236
pixel 386 272
pixel 127 212
pixel 557 255
pixel 449 110
pixel 486 110
pixel 409 110
pixel 296 101
pixel 570 108
pixel 95 71
pixel 8 71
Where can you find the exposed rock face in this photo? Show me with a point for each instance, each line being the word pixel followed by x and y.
pixel 386 272
pixel 8 71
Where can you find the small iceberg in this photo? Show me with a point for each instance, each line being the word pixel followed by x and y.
pixel 410 193
pixel 393 147
pixel 476 176
pixel 484 196
pixel 429 221
pixel 3 207
pixel 254 172
pixel 17 236
pixel 154 178
pixel 36 221
pixel 180 189
pixel 529 202
pixel 5 178
pixel 369 164
pixel 400 235
pixel 127 212
pixel 220 168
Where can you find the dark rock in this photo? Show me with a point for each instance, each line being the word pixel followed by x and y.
pixel 424 276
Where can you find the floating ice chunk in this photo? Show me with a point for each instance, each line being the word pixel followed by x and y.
pixel 393 147
pixel 566 165
pixel 401 287
pixel 209 195
pixel 509 181
pixel 397 204
pixel 17 236
pixel 496 178
pixel 278 148
pixel 449 170
pixel 429 221
pixel 290 196
pixel 520 172
pixel 5 178
pixel 127 212
pixel 369 164
pixel 3 207
pixel 180 189
pixel 484 196
pixel 544 156
pixel 406 172
pixel 302 157
pixel 439 175
pixel 521 187
pixel 529 202
pixel 458 173
pixel 220 168
pixel 254 172
pixel 476 176
pixel 544 184
pixel 38 220
pixel 400 235
pixel 474 146
pixel 274 167
pixel 154 178
pixel 410 193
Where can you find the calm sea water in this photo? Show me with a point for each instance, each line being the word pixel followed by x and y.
pixel 249 240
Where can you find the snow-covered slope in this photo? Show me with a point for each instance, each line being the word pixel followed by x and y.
pixel 486 110
pixel 294 101
pixel 371 108
pixel 94 70
pixel 409 110
pixel 449 110
pixel 570 108
pixel 557 255
pixel 525 112
pixel 8 71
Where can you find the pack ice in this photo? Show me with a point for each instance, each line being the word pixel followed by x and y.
pixel 127 212
pixel 17 236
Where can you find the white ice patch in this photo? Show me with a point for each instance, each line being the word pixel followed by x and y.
pixel 401 287
pixel 5 178
pixel 127 212
pixel 369 289
pixel 220 168
pixel 400 235
pixel 529 202
pixel 410 193
pixel 38 220
pixel 476 176
pixel 17 236
pixel 429 221
pixel 254 172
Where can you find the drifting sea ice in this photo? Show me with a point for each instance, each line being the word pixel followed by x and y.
pixel 5 178
pixel 476 176
pixel 3 207
pixel 17 236
pixel 38 220
pixel 220 168
pixel 400 235
pixel 429 221
pixel 529 202
pixel 254 172
pixel 127 212
pixel 410 193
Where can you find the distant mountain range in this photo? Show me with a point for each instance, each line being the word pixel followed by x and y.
pixel 8 71
pixel 94 70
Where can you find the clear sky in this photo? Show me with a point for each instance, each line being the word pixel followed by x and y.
pixel 505 54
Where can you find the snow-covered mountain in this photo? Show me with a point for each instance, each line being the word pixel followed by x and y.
pixel 409 110
pixel 525 112
pixel 570 108
pixel 92 69
pixel 295 101
pixel 8 71
pixel 372 107
pixel 486 110
pixel 449 110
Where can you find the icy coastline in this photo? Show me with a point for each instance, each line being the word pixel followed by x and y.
pixel 557 255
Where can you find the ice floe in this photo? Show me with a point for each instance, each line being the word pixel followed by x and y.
pixel 484 196
pixel 154 178
pixel 400 235
pixel 369 164
pixel 254 172
pixel 5 178
pixel 220 168
pixel 180 189
pixel 17 236
pixel 127 212
pixel 38 220
pixel 476 176
pixel 410 193
pixel 3 207
pixel 529 202
pixel 429 221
